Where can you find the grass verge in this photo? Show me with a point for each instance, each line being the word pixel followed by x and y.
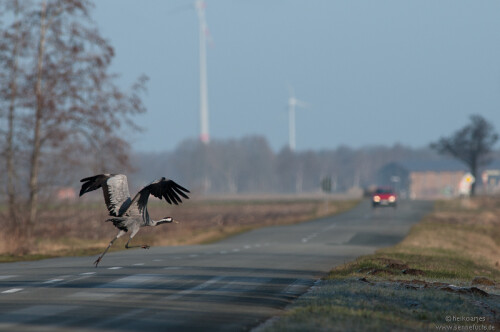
pixel 444 275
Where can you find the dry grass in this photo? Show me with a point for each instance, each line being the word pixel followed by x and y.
pixel 76 229
pixel 470 228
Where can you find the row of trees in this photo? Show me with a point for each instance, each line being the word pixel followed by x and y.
pixel 58 99
pixel 249 165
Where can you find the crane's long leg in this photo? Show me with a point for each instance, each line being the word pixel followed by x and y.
pixel 143 246
pixel 120 233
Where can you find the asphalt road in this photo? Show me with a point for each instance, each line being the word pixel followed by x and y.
pixel 232 285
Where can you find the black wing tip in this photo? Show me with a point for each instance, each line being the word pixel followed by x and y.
pixel 93 182
pixel 83 191
pixel 178 186
pixel 172 191
pixel 90 178
pixel 177 190
pixel 167 189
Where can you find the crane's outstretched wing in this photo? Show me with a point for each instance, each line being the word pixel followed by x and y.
pixel 165 188
pixel 114 188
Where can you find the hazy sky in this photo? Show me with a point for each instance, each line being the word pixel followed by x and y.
pixel 374 72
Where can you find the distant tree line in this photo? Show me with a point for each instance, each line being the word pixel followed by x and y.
pixel 249 165
pixel 60 107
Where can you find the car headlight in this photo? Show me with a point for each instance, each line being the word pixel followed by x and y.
pixel 392 199
pixel 376 199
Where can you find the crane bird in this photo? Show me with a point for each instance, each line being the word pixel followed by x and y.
pixel 131 214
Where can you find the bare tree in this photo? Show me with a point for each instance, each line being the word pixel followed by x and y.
pixel 73 106
pixel 471 144
pixel 12 47
pixel 35 156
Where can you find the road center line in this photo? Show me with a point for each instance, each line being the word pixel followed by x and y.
pixel 309 237
pixel 52 281
pixel 7 277
pixel 12 290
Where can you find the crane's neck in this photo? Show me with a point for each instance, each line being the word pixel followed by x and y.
pixel 166 220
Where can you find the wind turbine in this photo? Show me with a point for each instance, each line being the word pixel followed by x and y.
pixel 292 104
pixel 204 132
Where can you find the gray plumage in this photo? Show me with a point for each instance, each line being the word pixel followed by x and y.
pixel 129 214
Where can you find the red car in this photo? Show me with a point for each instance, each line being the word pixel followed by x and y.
pixel 384 197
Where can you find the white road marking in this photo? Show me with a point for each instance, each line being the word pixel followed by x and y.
pixel 193 255
pixel 157 260
pixel 138 264
pixel 247 247
pixel 130 281
pixel 194 289
pixel 309 237
pixel 12 290
pixel 114 268
pixel 7 277
pixel 81 277
pixel 223 252
pixel 236 250
pixel 52 281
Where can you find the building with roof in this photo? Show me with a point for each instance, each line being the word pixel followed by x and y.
pixel 490 178
pixel 423 179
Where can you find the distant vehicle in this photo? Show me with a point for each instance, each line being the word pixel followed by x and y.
pixel 384 197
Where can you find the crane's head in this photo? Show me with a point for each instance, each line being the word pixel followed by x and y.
pixel 167 220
